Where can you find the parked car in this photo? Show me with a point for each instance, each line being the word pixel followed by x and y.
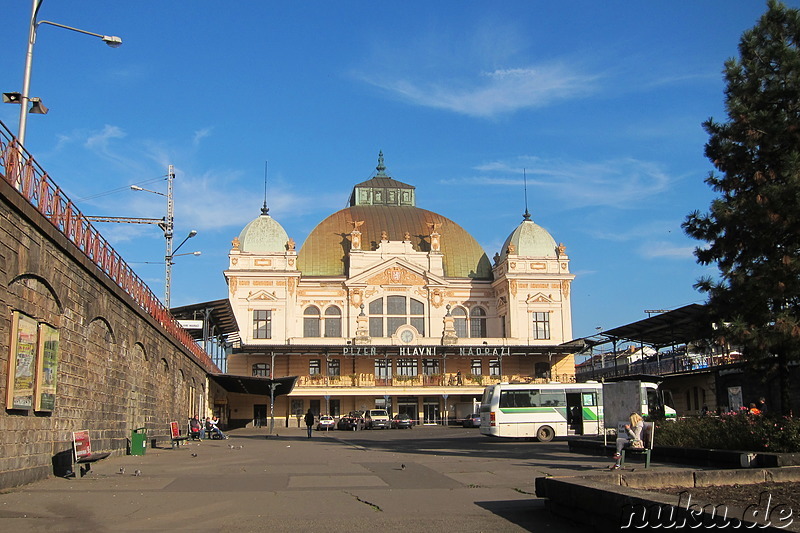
pixel 402 421
pixel 326 423
pixel 473 421
pixel 352 422
pixel 378 418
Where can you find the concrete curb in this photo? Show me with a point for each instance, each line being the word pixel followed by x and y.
pixel 620 499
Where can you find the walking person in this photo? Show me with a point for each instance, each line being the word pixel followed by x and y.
pixel 309 418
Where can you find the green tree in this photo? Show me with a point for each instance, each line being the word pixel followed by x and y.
pixel 752 229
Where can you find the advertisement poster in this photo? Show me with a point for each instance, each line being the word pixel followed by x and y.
pixel 21 362
pixel 46 368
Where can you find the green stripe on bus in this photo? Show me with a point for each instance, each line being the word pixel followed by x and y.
pixel 589 414
pixel 509 410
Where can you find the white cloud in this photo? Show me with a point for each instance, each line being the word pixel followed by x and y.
pixel 619 183
pixel 666 250
pixel 201 134
pixel 501 91
pixel 99 141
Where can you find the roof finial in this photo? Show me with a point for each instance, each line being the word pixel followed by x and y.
pixel 381 167
pixel 526 216
pixel 265 209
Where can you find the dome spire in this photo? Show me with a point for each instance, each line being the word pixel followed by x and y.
pixel 265 209
pixel 381 168
pixel 527 215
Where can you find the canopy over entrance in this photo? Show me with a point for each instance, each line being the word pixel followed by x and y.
pixel 255 385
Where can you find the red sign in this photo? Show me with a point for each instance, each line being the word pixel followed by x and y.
pixel 175 430
pixel 83 447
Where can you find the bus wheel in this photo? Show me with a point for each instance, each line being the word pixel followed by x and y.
pixel 545 433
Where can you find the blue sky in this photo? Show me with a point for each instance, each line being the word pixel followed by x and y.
pixel 600 102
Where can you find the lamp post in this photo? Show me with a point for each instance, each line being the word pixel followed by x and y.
pixel 168 225
pixel 24 97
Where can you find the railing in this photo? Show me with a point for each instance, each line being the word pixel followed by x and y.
pixel 663 364
pixel 24 174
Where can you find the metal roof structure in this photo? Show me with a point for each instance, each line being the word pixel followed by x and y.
pixel 221 320
pixel 680 326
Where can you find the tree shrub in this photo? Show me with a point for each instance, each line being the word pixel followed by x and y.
pixel 732 431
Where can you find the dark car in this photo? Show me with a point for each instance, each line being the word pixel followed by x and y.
pixel 402 421
pixel 354 421
pixel 473 421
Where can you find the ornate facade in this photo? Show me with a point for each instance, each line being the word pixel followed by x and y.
pixel 390 305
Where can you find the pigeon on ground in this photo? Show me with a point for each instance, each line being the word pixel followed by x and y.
pixel 137 472
pixel 402 467
pixel 122 470
pixel 194 455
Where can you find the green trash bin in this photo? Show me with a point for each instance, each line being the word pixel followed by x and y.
pixel 138 441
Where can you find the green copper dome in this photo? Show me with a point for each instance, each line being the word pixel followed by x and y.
pixel 263 235
pixel 530 240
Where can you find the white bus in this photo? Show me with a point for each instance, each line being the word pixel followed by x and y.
pixel 552 410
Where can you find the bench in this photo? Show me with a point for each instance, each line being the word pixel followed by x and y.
pixel 175 435
pixel 82 448
pixel 648 434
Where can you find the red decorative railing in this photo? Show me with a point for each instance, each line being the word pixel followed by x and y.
pixel 25 175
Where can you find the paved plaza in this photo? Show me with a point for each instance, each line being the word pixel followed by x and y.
pixel 424 479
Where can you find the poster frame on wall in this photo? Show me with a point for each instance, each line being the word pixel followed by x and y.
pixel 46 369
pixel 22 362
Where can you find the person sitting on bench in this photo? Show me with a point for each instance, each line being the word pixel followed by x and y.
pixel 212 429
pixel 195 429
pixel 633 433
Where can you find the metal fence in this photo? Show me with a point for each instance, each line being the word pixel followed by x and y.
pixel 25 175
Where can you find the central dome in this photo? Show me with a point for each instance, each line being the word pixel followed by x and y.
pixel 325 251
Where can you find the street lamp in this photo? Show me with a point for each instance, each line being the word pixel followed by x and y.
pixel 23 98
pixel 167 225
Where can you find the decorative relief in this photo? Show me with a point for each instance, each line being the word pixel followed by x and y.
pixel 291 262
pixel 396 276
pixel 537 298
pixel 565 287
pixel 235 244
pixel 234 285
pixel 539 266
pixel 437 297
pixel 290 244
pixel 292 284
pixel 562 250
pixel 235 261
pixel 280 283
pixel 512 265
pixel 262 284
pixel 539 286
pixel 244 283
pixel 263 262
pixel 563 266
pixel 512 287
pixel 356 297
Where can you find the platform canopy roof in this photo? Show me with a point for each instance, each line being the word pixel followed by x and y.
pixel 676 327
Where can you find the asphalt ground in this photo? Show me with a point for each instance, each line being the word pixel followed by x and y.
pixel 423 479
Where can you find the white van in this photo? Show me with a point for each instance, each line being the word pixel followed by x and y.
pixel 378 418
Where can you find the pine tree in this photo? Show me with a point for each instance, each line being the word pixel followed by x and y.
pixel 752 229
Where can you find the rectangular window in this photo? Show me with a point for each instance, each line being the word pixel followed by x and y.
pixel 262 324
pixel 476 369
pixel 383 368
pixel 430 366
pixel 261 370
pixel 334 367
pixel 406 367
pixel 541 326
pixel 314 367
pixel 311 326
pixel 532 398
pixel 494 367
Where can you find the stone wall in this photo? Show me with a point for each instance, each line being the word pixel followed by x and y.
pixel 118 369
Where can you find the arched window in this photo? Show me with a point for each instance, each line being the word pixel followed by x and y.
pixel 311 322
pixel 397 311
pixel 460 322
pixel 477 323
pixel 333 322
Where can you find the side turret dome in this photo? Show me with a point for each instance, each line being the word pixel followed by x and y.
pixel 530 240
pixel 263 235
